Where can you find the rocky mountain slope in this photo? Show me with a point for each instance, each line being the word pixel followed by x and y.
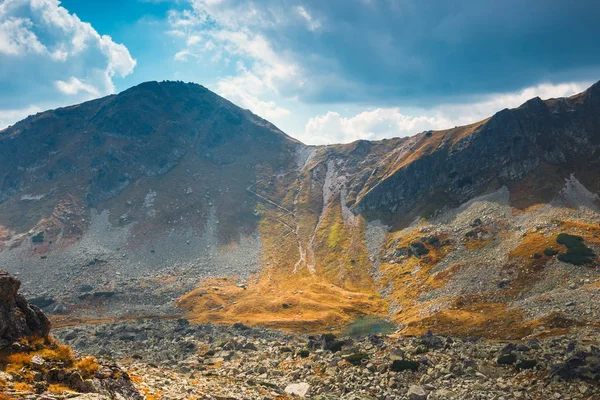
pixel 120 206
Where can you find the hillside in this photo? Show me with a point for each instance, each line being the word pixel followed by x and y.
pixel 122 205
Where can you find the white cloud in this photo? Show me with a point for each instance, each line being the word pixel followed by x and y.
pixel 311 23
pixel 391 122
pixel 244 90
pixel 48 53
pixel 75 86
pixel 17 39
pixel 374 124
pixel 215 32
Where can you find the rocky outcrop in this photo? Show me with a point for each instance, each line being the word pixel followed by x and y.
pixel 18 318
pixel 41 362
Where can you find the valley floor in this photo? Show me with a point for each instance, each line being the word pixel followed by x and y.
pixel 171 359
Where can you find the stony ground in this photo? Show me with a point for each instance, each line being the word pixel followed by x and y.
pixel 171 359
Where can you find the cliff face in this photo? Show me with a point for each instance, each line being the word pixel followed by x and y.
pixel 457 164
pixel 18 318
pixel 134 199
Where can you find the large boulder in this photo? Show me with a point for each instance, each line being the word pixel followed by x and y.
pixel 18 318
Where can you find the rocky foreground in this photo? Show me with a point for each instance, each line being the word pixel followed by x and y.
pixel 171 359
pixel 34 366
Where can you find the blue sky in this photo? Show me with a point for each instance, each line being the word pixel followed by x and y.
pixel 323 71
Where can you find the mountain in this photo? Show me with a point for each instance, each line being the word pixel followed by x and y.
pixel 167 197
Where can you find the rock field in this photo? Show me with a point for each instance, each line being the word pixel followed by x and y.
pixel 171 359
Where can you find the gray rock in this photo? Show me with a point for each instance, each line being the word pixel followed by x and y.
pixel 298 389
pixel 416 392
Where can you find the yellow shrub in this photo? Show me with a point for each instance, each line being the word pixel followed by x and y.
pixel 22 387
pixel 88 366
pixel 18 360
pixel 58 389
pixel 59 353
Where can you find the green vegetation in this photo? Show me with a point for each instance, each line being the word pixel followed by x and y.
pixel 525 364
pixel 404 365
pixel 421 350
pixel 577 252
pixel 304 353
pixel 328 337
pixel 550 252
pixel 507 359
pixel 337 346
pixel 357 358
pixel 38 238
pixel 432 240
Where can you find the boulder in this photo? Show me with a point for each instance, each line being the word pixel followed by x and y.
pixel 416 392
pixel 584 365
pixel 298 389
pixel 18 318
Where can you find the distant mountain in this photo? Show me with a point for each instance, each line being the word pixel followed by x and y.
pixel 118 206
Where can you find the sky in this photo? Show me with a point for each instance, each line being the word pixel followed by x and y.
pixel 324 71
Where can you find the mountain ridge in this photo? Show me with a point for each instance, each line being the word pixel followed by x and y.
pixel 168 189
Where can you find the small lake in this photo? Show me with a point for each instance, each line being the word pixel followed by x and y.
pixel 367 325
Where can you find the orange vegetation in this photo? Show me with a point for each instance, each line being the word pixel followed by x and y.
pixel 479 237
pixel 88 366
pixel 22 387
pixel 535 243
pixel 58 389
pixel 316 274
pixel 492 320
pixel 413 276
pixel 151 395
pixel 314 307
pixel 439 279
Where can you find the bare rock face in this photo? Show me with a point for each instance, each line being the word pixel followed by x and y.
pixel 18 318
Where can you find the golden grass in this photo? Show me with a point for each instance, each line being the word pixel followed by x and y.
pixel 15 362
pixel 536 243
pixel 490 320
pixel 472 241
pixel 88 366
pixel 312 308
pixel 18 360
pixel 441 278
pixel 589 232
pixel 332 285
pixel 56 388
pixel 532 244
pixel 136 379
pixel 413 277
pixel 61 353
pixel 151 395
pixel 330 288
pixel 22 387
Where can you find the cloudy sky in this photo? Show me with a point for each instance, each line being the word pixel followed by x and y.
pixel 324 71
